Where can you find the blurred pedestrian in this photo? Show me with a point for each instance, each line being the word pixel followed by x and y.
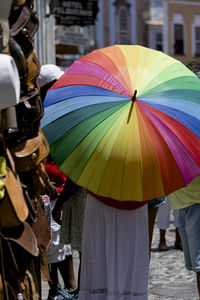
pixel 115 250
pixel 59 255
pixel 153 206
pixel 71 203
pixel 187 201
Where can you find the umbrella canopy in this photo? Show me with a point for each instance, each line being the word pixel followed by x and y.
pixel 123 122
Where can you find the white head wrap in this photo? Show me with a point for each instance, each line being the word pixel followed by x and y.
pixel 9 82
pixel 48 73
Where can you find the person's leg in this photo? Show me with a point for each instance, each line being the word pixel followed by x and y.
pixel 163 217
pixel 184 238
pixel 79 270
pixel 177 242
pixel 53 272
pixel 193 235
pixel 198 282
pixel 54 281
pixel 66 269
pixel 189 229
pixel 75 291
pixel 152 212
pixel 162 246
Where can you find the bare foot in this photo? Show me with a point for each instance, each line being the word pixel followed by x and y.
pixel 162 247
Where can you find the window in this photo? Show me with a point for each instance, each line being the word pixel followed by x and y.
pixel 159 41
pixel 123 27
pixel 195 36
pixel 178 39
pixel 123 20
pixel 178 34
pixel 197 41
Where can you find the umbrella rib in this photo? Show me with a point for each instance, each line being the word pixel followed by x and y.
pixel 124 118
pixel 131 108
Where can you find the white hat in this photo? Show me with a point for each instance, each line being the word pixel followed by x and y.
pixel 48 73
pixel 9 82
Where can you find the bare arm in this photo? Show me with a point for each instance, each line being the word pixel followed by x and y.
pixel 69 189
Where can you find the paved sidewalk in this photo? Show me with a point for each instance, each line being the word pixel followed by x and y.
pixel 168 278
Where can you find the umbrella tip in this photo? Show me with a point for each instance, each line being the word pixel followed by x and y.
pixel 134 96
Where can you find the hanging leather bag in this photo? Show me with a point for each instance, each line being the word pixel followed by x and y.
pixel 30 156
pixel 29 153
pixel 25 25
pixel 13 208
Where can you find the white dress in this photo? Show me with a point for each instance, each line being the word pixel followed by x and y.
pixel 115 253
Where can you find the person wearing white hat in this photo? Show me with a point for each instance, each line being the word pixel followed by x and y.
pixel 59 255
pixel 49 74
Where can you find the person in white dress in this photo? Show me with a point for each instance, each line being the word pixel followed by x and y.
pixel 115 250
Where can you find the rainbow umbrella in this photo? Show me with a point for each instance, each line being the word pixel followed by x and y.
pixel 123 122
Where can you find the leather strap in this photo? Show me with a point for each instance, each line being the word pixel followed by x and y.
pixel 27 23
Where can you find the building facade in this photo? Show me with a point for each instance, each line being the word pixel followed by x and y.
pixel 155 25
pixel 155 30
pixel 172 26
pixel 64 36
pixel 122 22
pixel 181 29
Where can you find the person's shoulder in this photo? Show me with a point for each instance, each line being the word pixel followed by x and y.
pixel 194 185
